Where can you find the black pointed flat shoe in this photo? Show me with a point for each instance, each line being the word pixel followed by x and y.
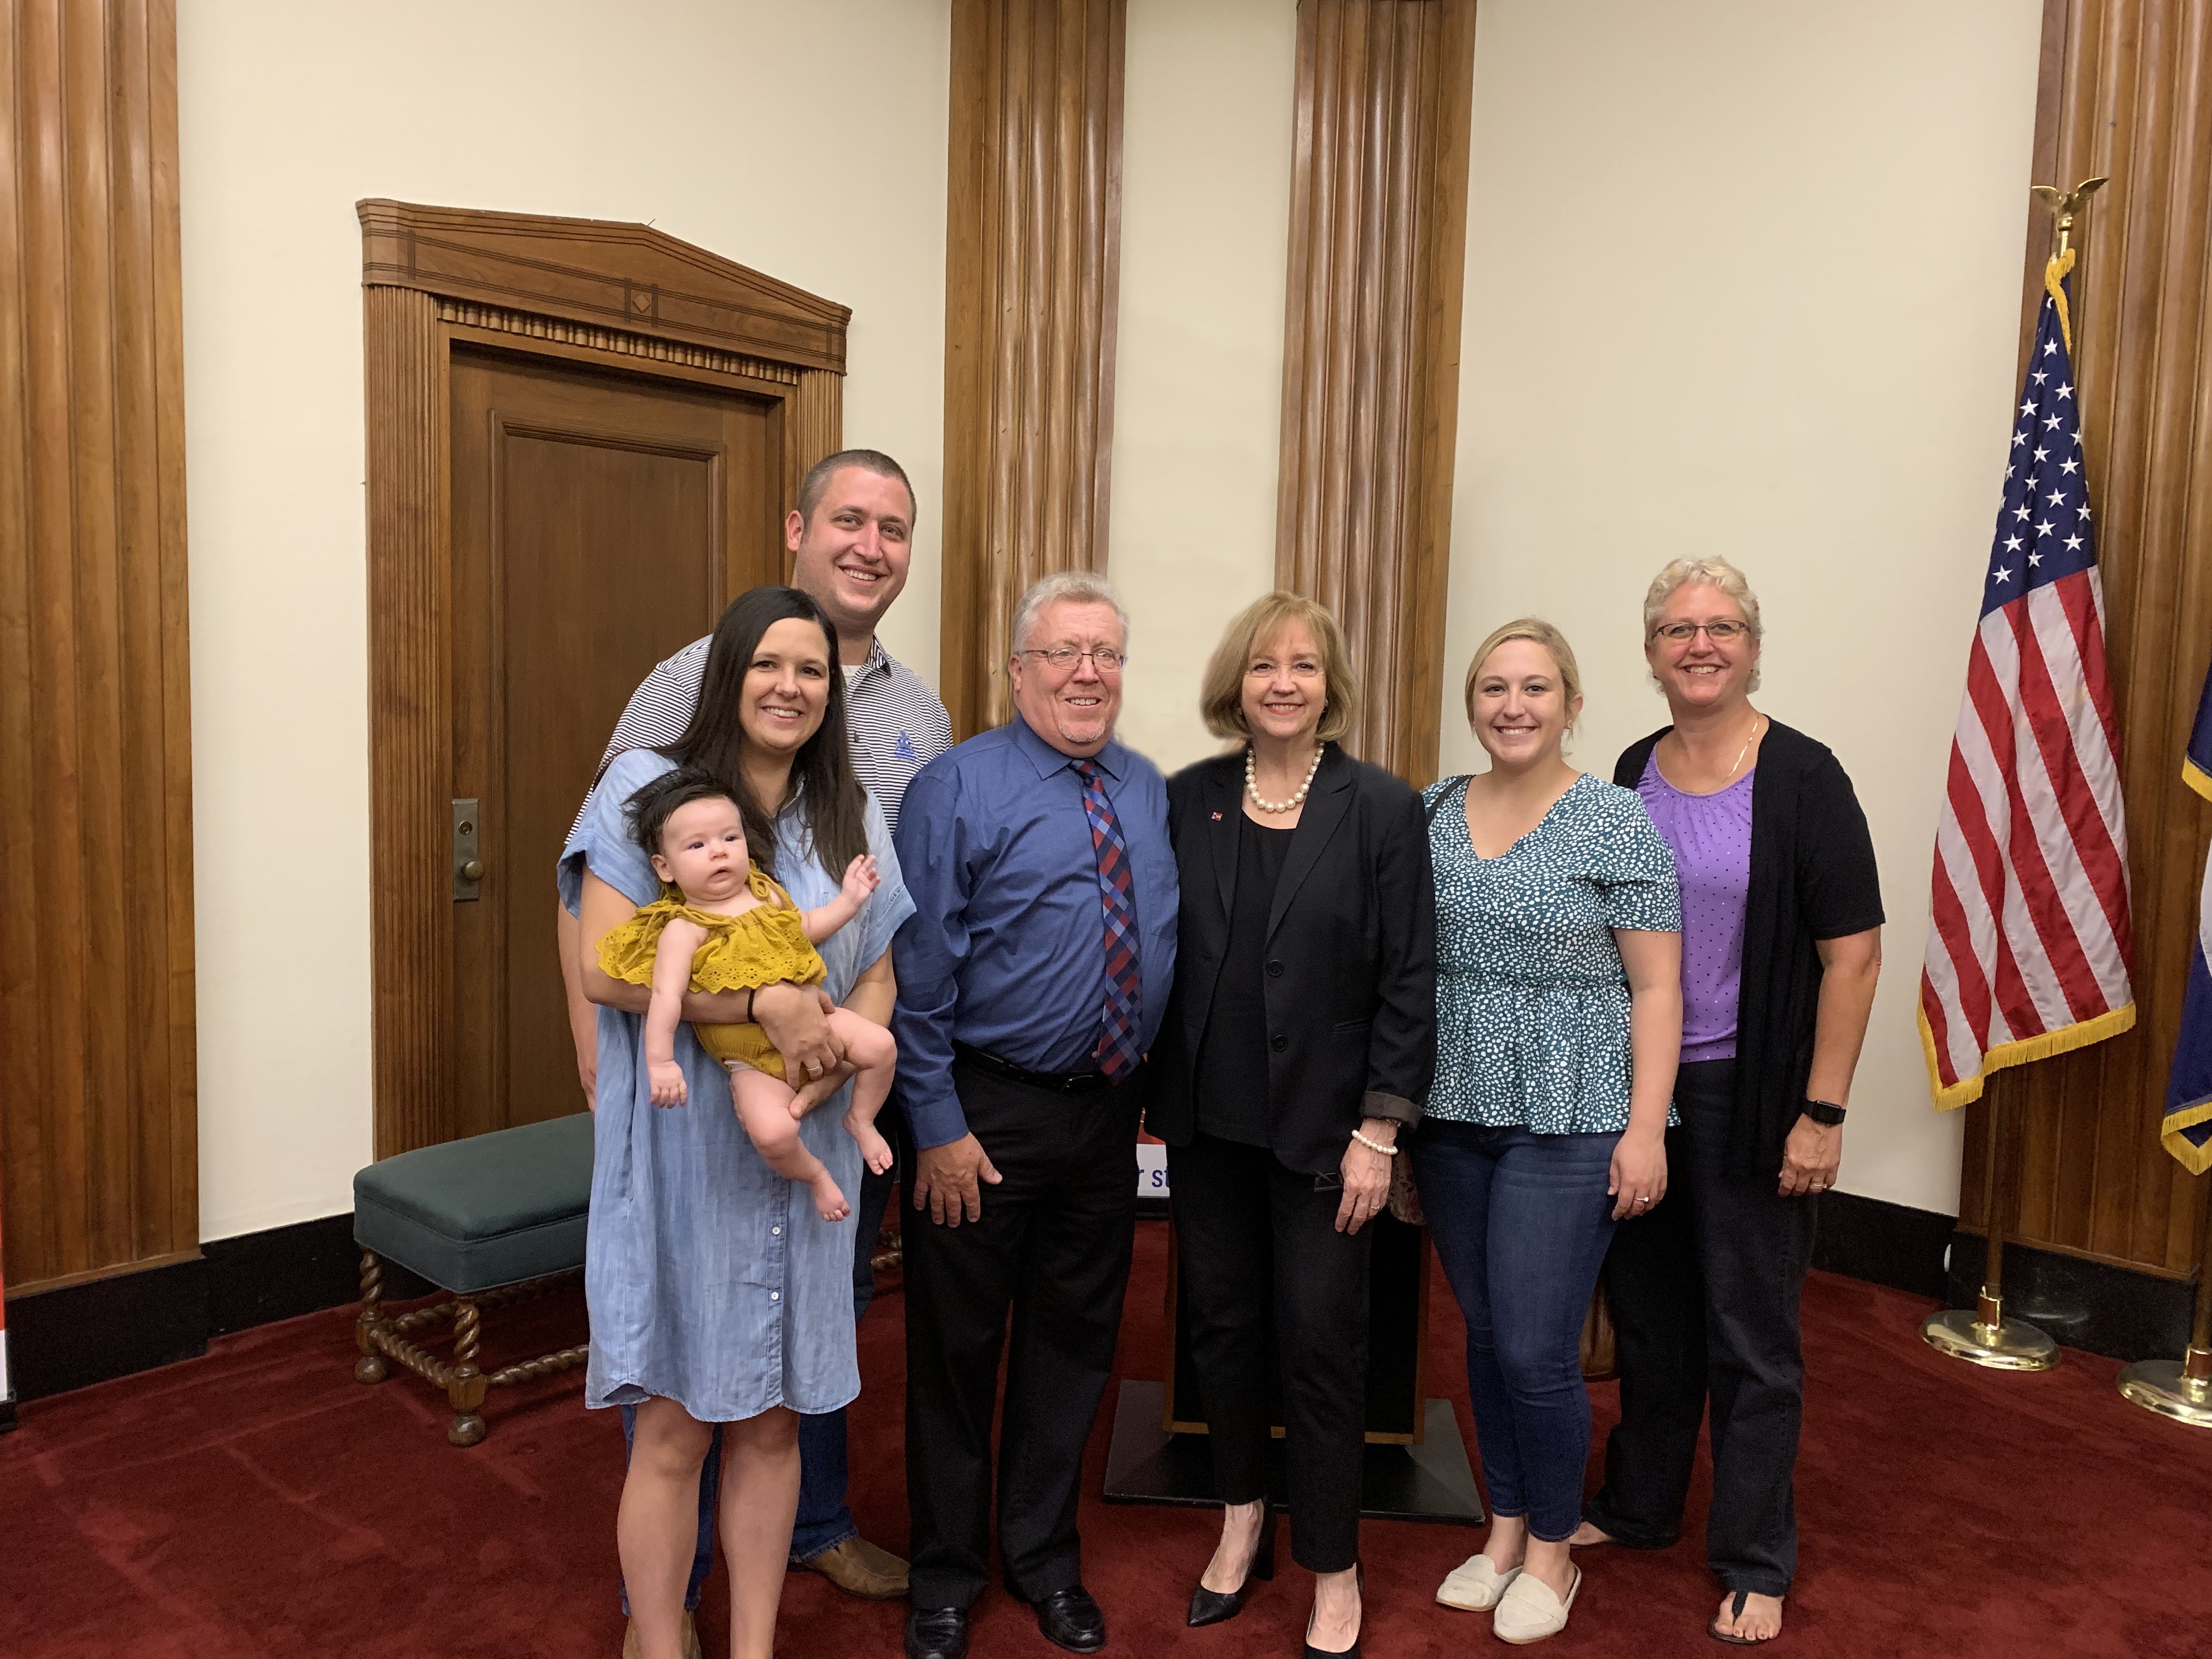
pixel 1211 1607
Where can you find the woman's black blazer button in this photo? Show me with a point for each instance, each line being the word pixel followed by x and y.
pixel 1275 970
pixel 1279 1041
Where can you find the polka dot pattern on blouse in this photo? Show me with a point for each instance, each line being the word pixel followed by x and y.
pixel 1532 1001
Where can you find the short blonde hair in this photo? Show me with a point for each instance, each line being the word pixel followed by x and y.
pixel 1536 631
pixel 1221 694
pixel 1703 573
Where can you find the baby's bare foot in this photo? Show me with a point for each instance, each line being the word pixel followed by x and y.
pixel 828 1200
pixel 873 1147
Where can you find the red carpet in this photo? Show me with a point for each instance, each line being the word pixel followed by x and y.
pixel 259 1501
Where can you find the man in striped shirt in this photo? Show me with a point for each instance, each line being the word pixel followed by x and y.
pixel 850 538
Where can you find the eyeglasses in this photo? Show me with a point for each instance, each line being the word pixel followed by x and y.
pixel 1063 659
pixel 1720 633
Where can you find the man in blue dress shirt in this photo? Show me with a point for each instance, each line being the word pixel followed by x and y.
pixel 1032 977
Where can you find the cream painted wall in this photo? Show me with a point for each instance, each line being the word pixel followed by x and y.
pixel 808 142
pixel 1205 203
pixel 1743 278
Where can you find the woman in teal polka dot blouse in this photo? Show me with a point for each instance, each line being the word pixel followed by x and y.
pixel 1558 1024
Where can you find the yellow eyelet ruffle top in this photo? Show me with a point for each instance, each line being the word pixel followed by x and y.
pixel 763 946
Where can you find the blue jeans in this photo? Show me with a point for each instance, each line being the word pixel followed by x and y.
pixel 1522 1222
pixel 824 1520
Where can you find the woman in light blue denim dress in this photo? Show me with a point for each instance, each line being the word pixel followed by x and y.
pixel 718 1295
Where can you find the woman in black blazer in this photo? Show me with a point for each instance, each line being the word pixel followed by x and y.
pixel 1298 1045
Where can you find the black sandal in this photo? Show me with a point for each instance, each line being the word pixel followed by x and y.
pixel 1714 1630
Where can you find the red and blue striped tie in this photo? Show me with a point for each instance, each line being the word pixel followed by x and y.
pixel 1125 986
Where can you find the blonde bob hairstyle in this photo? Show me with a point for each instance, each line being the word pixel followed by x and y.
pixel 1221 694
pixel 1703 573
pixel 1536 631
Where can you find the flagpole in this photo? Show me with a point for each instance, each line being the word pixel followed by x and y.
pixel 2182 1388
pixel 1984 1336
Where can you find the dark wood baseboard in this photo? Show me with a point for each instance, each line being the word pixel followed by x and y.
pixel 2097 1305
pixel 1883 1243
pixel 257 1278
pixel 80 1334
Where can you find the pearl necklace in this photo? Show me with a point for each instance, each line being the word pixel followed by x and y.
pixel 1252 785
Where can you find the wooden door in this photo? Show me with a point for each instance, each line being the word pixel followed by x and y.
pixel 599 521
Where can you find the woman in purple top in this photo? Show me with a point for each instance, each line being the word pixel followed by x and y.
pixel 1781 946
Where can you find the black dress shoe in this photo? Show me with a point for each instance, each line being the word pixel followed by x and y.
pixel 937 1633
pixel 1211 1607
pixel 1071 1619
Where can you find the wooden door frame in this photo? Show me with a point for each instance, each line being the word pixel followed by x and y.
pixel 583 291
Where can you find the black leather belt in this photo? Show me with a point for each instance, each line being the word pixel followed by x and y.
pixel 1064 1083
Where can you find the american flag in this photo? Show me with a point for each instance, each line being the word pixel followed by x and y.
pixel 2030 949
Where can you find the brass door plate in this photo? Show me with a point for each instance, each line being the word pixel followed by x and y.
pixel 468 867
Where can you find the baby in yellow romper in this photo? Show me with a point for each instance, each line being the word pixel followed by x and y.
pixel 729 927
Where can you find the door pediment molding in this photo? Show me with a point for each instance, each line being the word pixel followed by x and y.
pixel 609 273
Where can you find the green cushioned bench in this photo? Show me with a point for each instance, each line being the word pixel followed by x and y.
pixel 493 1219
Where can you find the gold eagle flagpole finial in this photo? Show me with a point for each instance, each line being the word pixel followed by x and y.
pixel 2065 205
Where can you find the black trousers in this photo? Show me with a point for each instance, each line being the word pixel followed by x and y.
pixel 1052 1248
pixel 1704 1295
pixel 1278 1301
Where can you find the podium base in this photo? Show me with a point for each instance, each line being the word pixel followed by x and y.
pixel 2006 1345
pixel 2161 1386
pixel 1432 1481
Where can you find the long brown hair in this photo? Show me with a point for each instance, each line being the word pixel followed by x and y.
pixel 828 792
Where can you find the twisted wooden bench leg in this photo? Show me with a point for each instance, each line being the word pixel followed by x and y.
pixel 464 1386
pixel 370 1367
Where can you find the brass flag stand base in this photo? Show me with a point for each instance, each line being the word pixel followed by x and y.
pixel 1986 1336
pixel 2180 1389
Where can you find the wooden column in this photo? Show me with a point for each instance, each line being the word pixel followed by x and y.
pixel 1032 256
pixel 2127 91
pixel 1370 360
pixel 98 1136
pixel 411 723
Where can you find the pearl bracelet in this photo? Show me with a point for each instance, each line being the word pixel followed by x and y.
pixel 1375 1145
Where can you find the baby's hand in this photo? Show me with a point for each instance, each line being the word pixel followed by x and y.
pixel 667 1079
pixel 861 878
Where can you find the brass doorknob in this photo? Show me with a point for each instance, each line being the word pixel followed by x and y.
pixel 472 870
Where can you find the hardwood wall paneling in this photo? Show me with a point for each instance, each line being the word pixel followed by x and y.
pixel 1371 360
pixel 2127 91
pixel 99 1150
pixel 1033 255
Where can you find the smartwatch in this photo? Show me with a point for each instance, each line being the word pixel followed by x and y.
pixel 1824 1112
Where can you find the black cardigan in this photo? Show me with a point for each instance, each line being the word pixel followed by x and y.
pixel 1351 983
pixel 1812 877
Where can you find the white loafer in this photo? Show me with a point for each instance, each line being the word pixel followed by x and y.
pixel 1528 1612
pixel 1476 1584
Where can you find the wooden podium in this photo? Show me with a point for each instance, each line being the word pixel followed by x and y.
pixel 1416 1465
